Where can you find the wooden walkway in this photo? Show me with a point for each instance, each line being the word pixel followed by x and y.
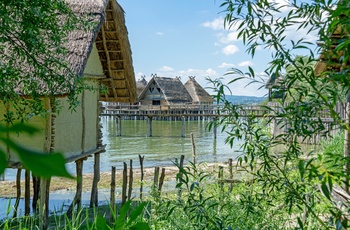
pixel 180 110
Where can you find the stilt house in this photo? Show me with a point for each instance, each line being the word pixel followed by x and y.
pixel 164 91
pixel 101 56
pixel 198 94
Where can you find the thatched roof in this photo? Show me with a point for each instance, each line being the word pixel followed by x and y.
pixel 172 88
pixel 330 59
pixel 197 92
pixel 275 81
pixel 115 55
pixel 109 32
pixel 140 85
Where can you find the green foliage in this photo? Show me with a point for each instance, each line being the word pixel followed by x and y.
pixel 301 179
pixel 41 164
pixel 32 35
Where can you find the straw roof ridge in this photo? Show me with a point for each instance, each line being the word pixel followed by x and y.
pixel 80 42
pixel 172 88
pixel 197 92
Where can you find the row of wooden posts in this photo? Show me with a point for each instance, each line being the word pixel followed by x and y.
pixel 127 185
pixel 149 126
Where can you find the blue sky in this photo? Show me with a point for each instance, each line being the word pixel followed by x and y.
pixel 186 38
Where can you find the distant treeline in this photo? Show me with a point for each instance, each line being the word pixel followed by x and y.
pixel 245 99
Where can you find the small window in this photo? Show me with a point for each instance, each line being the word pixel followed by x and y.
pixel 155 102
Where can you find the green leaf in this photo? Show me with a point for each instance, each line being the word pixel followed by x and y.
pixel 101 223
pixel 325 190
pixel 140 226
pixel 137 212
pixel 3 162
pixel 41 164
pixel 120 222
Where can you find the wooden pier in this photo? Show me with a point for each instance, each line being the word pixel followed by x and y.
pixel 187 112
pixel 179 110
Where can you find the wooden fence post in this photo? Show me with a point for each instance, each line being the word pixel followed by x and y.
pixel 161 181
pixel 131 179
pixel 221 174
pixel 156 178
pixel 27 193
pixel 193 149
pixel 125 183
pixel 112 198
pixel 18 189
pixel 180 174
pixel 231 173
pixel 142 175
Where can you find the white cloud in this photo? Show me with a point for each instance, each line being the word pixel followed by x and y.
pixel 166 69
pixel 230 49
pixel 159 33
pixel 245 64
pixel 225 65
pixel 197 72
pixel 228 37
pixel 216 24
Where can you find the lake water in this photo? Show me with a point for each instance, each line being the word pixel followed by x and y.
pixel 161 149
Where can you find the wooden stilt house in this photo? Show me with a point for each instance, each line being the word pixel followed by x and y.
pixel 198 94
pixel 100 55
pixel 164 91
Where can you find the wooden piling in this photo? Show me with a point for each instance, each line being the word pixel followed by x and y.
pixel 231 173
pixel 125 183
pixel 36 189
pixel 27 193
pixel 18 189
pixel 131 179
pixel 180 174
pixel 161 181
pixel 44 203
pixel 156 177
pixel 183 126
pixel 79 188
pixel 119 124
pixel 142 175
pixel 112 198
pixel 215 127
pixel 96 179
pixel 220 176
pixel 193 149
pixel 149 121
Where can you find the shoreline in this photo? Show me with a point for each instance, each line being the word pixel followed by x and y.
pixel 8 188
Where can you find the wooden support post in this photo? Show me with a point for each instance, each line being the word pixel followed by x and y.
pixel 161 181
pixel 156 178
pixel 183 126
pixel 36 189
pixel 215 127
pixel 142 175
pixel 18 189
pixel 77 199
pixel 149 120
pixel 94 190
pixel 131 179
pixel 44 203
pixel 119 123
pixel 231 173
pixel 180 174
pixel 221 174
pixel 27 193
pixel 193 149
pixel 125 183
pixel 112 198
